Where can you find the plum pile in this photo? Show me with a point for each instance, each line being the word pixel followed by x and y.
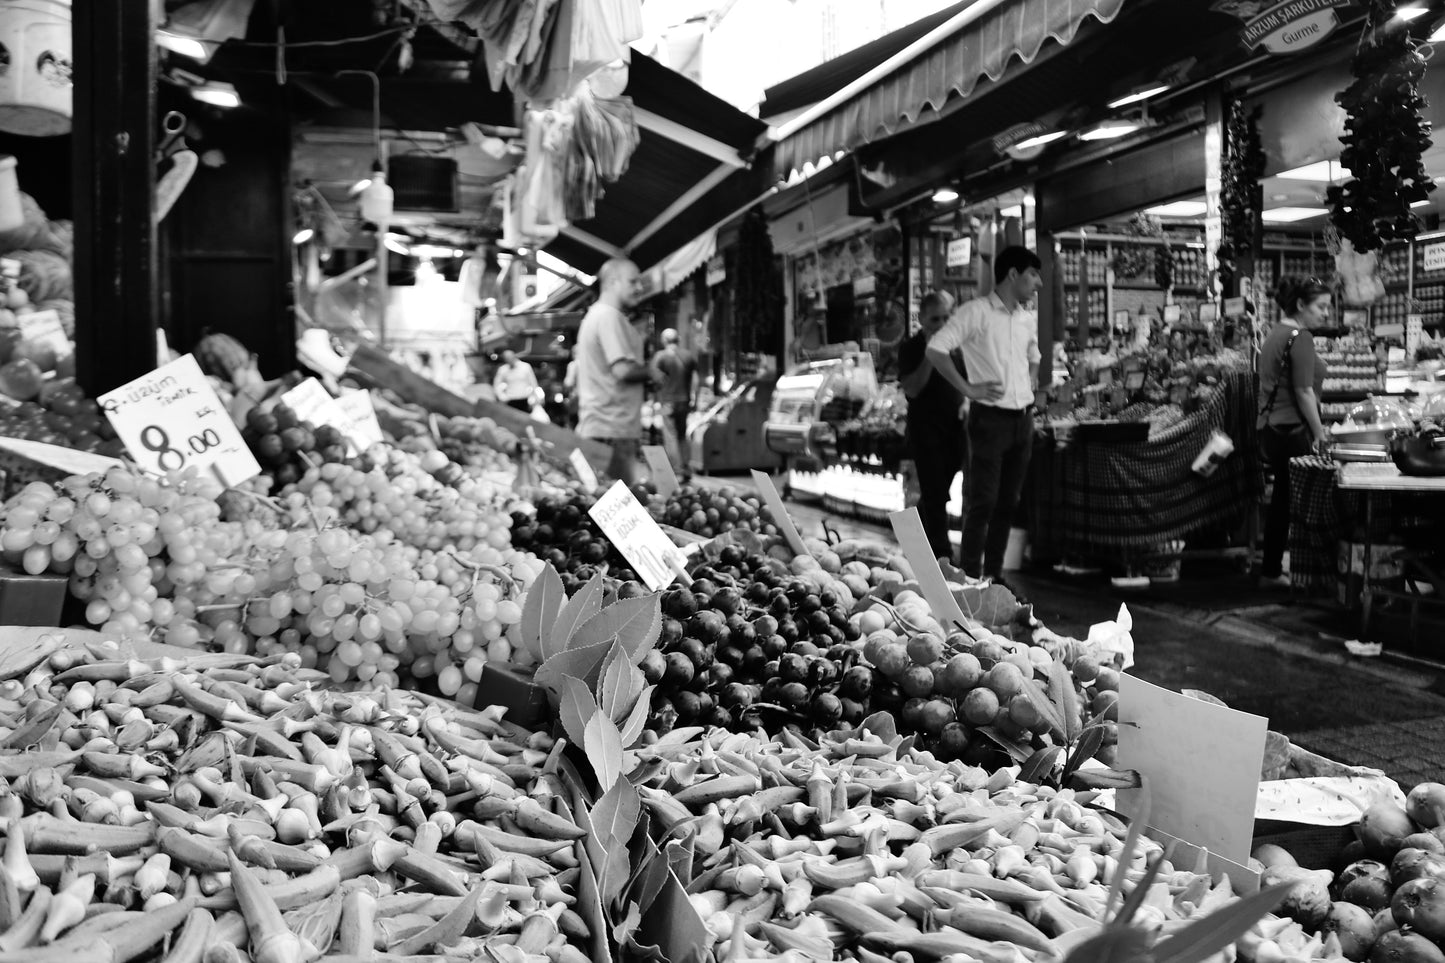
pixel 747 646
pixel 562 533
pixel 708 513
pixel 286 446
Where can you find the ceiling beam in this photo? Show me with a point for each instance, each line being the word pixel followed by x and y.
pixel 593 241
pixel 689 138
pixel 693 194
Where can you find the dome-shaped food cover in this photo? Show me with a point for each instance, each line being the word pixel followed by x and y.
pixel 1433 408
pixel 1373 421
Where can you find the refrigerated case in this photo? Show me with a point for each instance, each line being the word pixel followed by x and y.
pixel 729 435
pixel 810 398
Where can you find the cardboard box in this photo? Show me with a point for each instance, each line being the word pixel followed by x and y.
pixel 31 599
pixel 525 701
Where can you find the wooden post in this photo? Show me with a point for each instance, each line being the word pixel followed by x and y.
pixel 113 180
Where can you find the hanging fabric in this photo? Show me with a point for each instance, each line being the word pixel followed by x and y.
pixel 541 210
pixel 604 137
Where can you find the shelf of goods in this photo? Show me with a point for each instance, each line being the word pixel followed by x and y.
pixel 1351 373
pixel 269 750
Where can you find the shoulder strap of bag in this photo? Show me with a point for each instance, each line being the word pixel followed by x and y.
pixel 1285 372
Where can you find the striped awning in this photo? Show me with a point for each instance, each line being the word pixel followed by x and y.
pixel 979 47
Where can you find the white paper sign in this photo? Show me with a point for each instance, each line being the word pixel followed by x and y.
pixel 584 471
pixel 1434 257
pixel 779 511
pixel 171 420
pixel 658 465
pixel 1202 763
pixel 44 327
pixel 959 252
pixel 313 403
pixel 908 529
pixel 641 541
pixel 360 413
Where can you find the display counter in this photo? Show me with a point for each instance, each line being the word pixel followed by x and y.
pixel 1124 499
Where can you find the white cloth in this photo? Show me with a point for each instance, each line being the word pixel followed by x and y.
pixel 997 345
pixel 515 381
pixel 608 407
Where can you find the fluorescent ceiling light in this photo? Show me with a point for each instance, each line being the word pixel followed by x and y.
pixel 217 95
pixel 185 46
pixel 303 235
pixel 1410 12
pixel 1138 95
pixel 945 195
pixel 1324 172
pixel 1424 203
pixel 1439 33
pixel 1040 140
pixel 1015 211
pixel 1109 130
pixel 395 243
pixel 358 187
pixel 1179 209
pixel 1286 215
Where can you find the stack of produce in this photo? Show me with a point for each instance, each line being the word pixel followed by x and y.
pixel 1387 904
pixel 710 512
pixel 858 846
pixel 55 411
pixel 227 809
pixel 286 446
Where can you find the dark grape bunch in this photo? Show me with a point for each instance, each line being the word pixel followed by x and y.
pixel 711 512
pixel 746 646
pixel 286 446
pixel 563 534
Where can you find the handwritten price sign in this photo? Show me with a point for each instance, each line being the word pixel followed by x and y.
pixel 171 420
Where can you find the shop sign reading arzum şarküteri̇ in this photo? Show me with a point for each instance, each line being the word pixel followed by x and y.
pixel 1283 27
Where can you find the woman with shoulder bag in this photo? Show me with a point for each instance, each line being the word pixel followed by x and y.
pixel 1291 377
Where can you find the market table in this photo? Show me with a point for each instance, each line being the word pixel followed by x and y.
pixel 1133 497
pixel 1371 480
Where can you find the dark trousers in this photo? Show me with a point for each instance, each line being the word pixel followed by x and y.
pixel 1276 448
pixel 520 404
pixel 1000 443
pixel 938 446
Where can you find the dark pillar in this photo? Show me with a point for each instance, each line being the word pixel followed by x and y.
pixel 114 190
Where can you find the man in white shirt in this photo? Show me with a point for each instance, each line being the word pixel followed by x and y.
pixel 514 382
pixel 998 337
pixel 611 372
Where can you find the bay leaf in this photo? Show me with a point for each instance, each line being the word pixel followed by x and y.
pixel 584 664
pixel 636 623
pixel 579 608
pixel 544 600
pixel 577 707
pixel 603 745
pixel 631 729
pixel 619 683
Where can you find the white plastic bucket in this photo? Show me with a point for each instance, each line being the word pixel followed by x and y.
pixel 35 64
pixel 12 215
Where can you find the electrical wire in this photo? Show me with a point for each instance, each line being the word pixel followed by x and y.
pixel 337 42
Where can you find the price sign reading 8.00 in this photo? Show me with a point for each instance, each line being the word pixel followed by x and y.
pixel 171 420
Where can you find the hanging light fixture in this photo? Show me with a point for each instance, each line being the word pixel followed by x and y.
pixel 197 29
pixel 376 197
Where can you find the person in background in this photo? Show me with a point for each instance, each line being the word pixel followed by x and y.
pixel 675 370
pixel 935 436
pixel 998 336
pixel 514 382
pixel 1291 376
pixel 611 373
pixel 569 393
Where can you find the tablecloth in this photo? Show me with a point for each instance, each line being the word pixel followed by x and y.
pixel 1322 515
pixel 1131 497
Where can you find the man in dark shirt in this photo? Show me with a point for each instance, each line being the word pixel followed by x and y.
pixel 675 370
pixel 936 439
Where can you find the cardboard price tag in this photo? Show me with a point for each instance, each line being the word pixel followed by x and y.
pixel 45 327
pixel 641 541
pixel 584 471
pixel 1202 763
pixel 360 413
pixel 658 465
pixel 313 403
pixel 908 529
pixel 171 420
pixel 779 511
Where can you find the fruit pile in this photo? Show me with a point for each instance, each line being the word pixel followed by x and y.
pixel 57 413
pixel 561 533
pixel 157 811
pixel 709 512
pixel 286 446
pixel 860 846
pixel 1388 903
pixel 426 596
